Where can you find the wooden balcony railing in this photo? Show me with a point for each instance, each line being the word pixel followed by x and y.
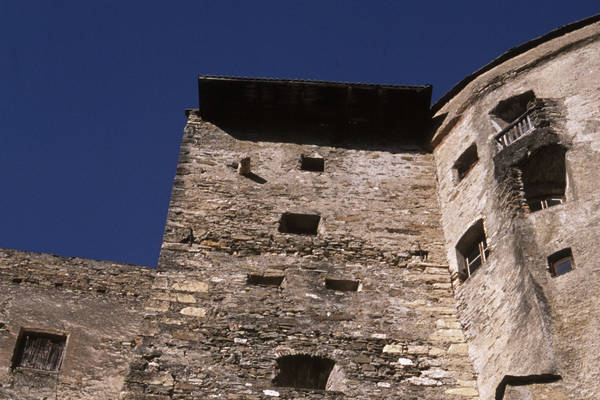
pixel 516 130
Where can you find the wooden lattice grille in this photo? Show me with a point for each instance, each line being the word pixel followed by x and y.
pixel 39 350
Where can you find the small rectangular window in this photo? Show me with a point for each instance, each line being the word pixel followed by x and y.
pixel 342 285
pixel 303 371
pixel 315 164
pixel 267 280
pixel 302 224
pixel 39 350
pixel 465 162
pixel 561 262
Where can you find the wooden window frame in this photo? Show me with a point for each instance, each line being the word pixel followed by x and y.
pixel 472 250
pixel 543 202
pixel 482 255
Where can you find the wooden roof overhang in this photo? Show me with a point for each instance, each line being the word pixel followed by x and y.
pixel 389 110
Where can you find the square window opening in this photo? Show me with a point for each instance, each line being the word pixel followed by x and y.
pixel 465 162
pixel 561 262
pixel 303 371
pixel 314 164
pixel 39 350
pixel 301 224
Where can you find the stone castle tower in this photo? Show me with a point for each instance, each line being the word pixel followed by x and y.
pixel 346 241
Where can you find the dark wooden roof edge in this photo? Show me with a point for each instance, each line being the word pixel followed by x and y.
pixel 513 52
pixel 415 88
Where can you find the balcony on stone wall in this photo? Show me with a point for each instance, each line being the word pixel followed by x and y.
pixel 522 126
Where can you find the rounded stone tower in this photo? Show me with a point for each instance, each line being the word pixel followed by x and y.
pixel 517 151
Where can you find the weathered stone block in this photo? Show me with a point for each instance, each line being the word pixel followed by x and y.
pixel 194 312
pixel 190 286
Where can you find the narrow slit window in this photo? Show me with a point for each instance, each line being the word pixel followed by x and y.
pixel 303 371
pixel 472 250
pixel 465 162
pixel 266 280
pixel 302 224
pixel 39 350
pixel 314 164
pixel 342 285
pixel 561 262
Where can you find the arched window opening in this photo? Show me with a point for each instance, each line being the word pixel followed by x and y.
pixel 471 250
pixel 544 178
pixel 303 371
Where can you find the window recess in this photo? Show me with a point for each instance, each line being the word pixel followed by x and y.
pixel 544 178
pixel 39 350
pixel 472 250
pixel 342 285
pixel 541 203
pixel 561 262
pixel 303 371
pixel 313 163
pixel 465 163
pixel 300 224
pixel 509 110
pixel 513 117
pixel 264 279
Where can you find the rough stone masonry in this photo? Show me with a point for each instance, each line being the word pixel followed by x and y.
pixel 344 241
pixel 256 294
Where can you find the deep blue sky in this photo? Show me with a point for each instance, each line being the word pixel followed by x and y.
pixel 93 92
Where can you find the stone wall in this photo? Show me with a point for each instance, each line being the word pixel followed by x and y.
pixel 217 335
pixel 364 306
pixel 97 305
pixel 522 324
